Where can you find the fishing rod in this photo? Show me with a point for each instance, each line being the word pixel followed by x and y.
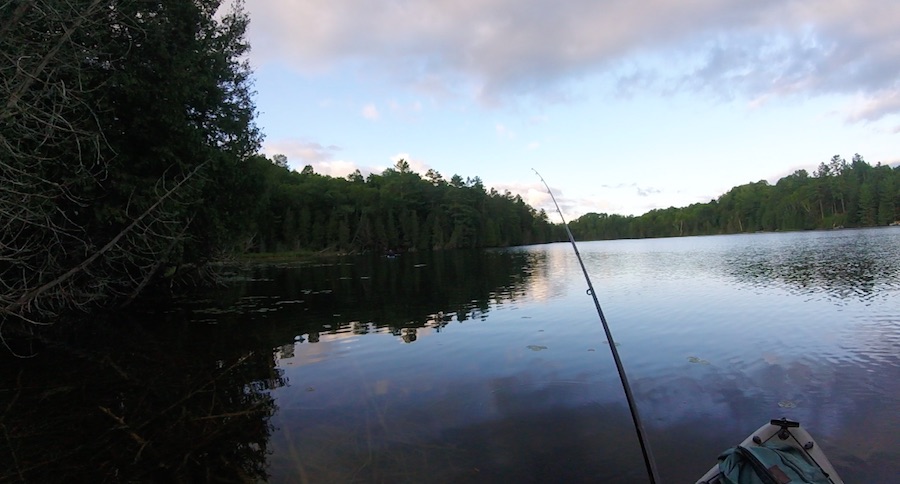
pixel 638 427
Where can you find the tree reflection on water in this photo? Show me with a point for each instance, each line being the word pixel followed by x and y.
pixel 516 388
pixel 185 394
pixel 120 402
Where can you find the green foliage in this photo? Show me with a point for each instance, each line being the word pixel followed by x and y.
pixel 397 210
pixel 176 96
pixel 838 195
pixel 126 142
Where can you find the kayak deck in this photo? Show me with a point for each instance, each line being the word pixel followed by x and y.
pixel 783 432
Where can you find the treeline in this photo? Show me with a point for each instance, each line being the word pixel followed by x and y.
pixel 129 161
pixel 397 210
pixel 838 194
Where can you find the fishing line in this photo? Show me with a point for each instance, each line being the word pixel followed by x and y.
pixel 638 427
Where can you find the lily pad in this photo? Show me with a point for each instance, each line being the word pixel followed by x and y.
pixel 536 347
pixel 700 361
pixel 787 404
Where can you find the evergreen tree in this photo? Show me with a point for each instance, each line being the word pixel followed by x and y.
pixel 127 137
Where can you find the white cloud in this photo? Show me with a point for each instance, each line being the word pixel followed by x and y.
pixel 494 49
pixel 504 132
pixel 533 146
pixel 418 166
pixel 535 194
pixel 369 111
pixel 337 168
pixel 875 106
pixel 300 152
pixel 304 152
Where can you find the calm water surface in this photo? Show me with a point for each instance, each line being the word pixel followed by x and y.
pixel 493 366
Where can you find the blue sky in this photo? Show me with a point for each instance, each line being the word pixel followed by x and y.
pixel 623 106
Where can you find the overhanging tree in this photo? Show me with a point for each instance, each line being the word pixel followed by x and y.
pixel 126 128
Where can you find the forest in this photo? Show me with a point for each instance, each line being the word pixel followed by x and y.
pixel 399 210
pixel 837 195
pixel 131 162
pixel 395 211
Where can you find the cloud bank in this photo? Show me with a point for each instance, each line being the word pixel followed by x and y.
pixel 498 49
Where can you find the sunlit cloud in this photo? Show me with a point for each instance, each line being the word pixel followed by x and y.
pixel 337 168
pixel 416 165
pixel 300 152
pixel 875 106
pixel 497 49
pixel 369 111
pixel 535 194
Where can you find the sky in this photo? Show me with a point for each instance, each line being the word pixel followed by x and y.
pixel 623 106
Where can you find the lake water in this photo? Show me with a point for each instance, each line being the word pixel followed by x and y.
pixel 493 366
